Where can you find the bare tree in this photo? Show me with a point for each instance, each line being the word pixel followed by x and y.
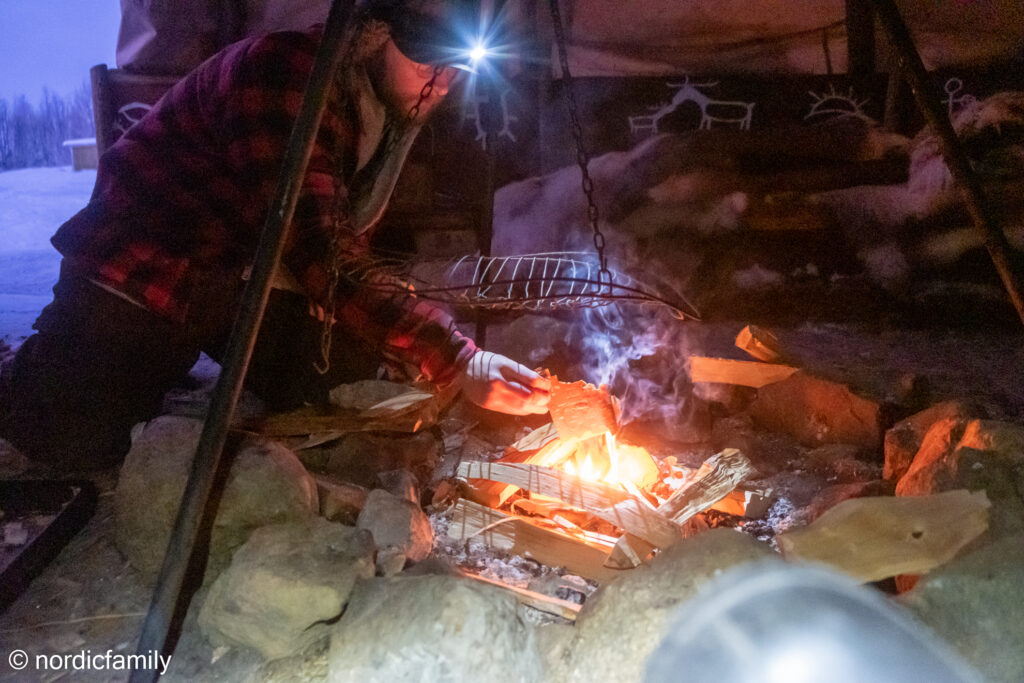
pixel 6 142
pixel 34 136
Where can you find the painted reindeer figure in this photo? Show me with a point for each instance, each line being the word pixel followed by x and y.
pixel 711 111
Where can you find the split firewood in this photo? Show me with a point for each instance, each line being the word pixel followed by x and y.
pixel 538 601
pixel 720 474
pixel 875 538
pixel 760 343
pixel 536 439
pixel 717 477
pixel 744 373
pixel 521 536
pixel 409 412
pixel 546 481
pixel 310 420
pixel 396 406
pixel 601 500
pixel 580 410
pixel 536 448
pixel 638 519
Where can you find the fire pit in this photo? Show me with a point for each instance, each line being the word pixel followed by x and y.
pixel 571 494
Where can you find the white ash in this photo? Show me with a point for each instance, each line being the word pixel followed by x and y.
pixel 781 516
pixel 476 556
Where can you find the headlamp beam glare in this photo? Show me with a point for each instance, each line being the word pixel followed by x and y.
pixel 478 52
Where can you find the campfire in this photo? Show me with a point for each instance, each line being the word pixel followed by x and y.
pixel 572 494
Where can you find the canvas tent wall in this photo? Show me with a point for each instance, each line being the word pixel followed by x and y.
pixel 618 37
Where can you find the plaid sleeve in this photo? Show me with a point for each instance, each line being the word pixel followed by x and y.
pixel 269 87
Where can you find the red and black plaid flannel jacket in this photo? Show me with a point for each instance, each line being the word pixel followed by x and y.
pixel 188 188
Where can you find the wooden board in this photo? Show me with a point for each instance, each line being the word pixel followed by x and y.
pixel 875 538
pixel 744 373
pixel 520 536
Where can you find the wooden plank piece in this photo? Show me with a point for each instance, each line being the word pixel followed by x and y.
pixel 539 601
pixel 760 343
pixel 520 536
pixel 580 410
pixel 744 373
pixel 313 421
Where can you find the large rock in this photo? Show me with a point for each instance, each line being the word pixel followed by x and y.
pixel 621 625
pixel 842 463
pixel 974 603
pixel 399 527
pixel 977 455
pixel 266 484
pixel 431 628
pixel 817 412
pixel 285 584
pixel 903 440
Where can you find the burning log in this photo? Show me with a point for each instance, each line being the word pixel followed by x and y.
pixel 609 503
pixel 546 481
pixel 716 478
pixel 744 373
pixel 582 555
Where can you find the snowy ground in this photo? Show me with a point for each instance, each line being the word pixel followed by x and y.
pixel 33 204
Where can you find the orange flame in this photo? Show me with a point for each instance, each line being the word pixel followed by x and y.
pixel 602 459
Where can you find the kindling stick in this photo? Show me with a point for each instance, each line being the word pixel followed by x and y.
pixel 193 509
pixel 928 101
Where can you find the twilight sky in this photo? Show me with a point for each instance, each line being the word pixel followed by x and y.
pixel 53 43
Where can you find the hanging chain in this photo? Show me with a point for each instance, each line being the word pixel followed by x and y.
pixel 341 224
pixel 582 158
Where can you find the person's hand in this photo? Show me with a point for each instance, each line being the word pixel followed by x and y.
pixel 498 383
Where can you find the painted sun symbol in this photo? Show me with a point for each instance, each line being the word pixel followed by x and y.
pixel 837 104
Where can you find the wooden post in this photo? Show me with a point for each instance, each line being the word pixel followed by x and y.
pixel 860 40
